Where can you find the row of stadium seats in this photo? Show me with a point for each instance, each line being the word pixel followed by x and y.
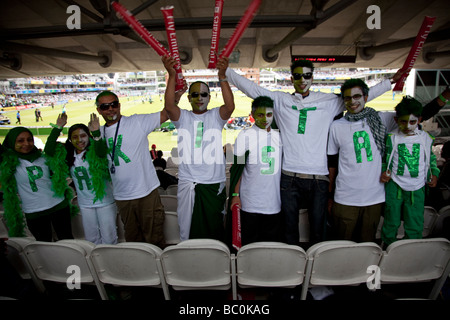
pixel 206 264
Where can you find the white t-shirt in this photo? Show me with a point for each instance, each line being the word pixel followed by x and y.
pixel 83 184
pixel 415 152
pixel 260 180
pixel 200 151
pixel 303 122
pixel 135 176
pixel 360 163
pixel 34 186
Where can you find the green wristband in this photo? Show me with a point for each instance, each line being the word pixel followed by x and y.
pixel 235 194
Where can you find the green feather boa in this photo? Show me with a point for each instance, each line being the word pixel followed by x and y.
pixel 98 169
pixel 11 202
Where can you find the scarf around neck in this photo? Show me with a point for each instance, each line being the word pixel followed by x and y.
pixel 376 126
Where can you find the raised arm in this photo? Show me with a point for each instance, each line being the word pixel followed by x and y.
pixel 384 86
pixel 227 109
pixel 99 145
pixel 50 145
pixel 170 103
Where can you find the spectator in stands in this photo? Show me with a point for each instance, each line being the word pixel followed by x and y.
pixel 134 178
pixel 201 186
pixel 409 164
pixel 165 179
pixel 153 152
pixel 304 119
pixel 257 162
pixel 88 165
pixel 40 182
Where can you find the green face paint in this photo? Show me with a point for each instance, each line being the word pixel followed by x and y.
pixel 301 84
pixel 199 97
pixel 263 117
pixel 408 124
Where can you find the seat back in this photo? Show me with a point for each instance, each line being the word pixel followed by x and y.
pixel 129 264
pixel 438 227
pixel 258 264
pixel 170 202
pixel 415 260
pixel 336 263
pixel 197 264
pixel 50 260
pixel 172 190
pixel 15 255
pixel 171 228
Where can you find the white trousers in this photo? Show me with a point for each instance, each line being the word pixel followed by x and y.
pixel 99 224
pixel 186 199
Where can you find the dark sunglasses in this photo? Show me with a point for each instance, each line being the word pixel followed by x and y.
pixel 105 106
pixel 196 94
pixel 306 76
pixel 354 97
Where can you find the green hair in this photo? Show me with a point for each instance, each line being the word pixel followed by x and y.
pixel 262 101
pixel 351 83
pixel 408 106
pixel 302 63
pixel 104 94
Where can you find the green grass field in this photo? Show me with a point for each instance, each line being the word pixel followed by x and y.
pixel 78 112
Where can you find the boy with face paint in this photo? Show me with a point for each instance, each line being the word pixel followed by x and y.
pixel 201 172
pixel 409 165
pixel 304 119
pixel 258 149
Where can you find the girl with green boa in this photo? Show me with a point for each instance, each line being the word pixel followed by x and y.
pixel 88 165
pixel 35 185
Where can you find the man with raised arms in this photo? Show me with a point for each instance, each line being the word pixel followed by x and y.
pixel 201 172
pixel 304 119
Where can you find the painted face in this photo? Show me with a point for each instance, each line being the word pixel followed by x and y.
pixel 263 117
pixel 299 78
pixel 408 124
pixel 354 100
pixel 24 143
pixel 80 140
pixel 111 112
pixel 199 97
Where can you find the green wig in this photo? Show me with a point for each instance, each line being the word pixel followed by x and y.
pixel 262 101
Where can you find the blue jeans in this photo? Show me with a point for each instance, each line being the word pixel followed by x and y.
pixel 298 193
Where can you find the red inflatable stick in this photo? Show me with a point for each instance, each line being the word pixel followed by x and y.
pixel 134 24
pixel 236 226
pixel 415 50
pixel 242 25
pixel 215 34
pixel 173 45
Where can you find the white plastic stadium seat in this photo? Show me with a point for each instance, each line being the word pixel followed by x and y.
pixel 270 264
pixel 129 264
pixel 341 262
pixel 199 264
pixel 417 260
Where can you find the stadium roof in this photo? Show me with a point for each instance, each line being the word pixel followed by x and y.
pixel 36 41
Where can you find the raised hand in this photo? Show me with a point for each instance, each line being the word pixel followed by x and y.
pixel 94 123
pixel 61 121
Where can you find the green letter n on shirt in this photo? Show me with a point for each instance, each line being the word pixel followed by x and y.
pixel 361 140
pixel 408 159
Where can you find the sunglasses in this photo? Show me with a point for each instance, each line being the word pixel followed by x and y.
pixel 306 76
pixel 355 97
pixel 196 94
pixel 105 106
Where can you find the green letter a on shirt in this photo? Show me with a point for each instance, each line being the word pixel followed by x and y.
pixel 364 144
